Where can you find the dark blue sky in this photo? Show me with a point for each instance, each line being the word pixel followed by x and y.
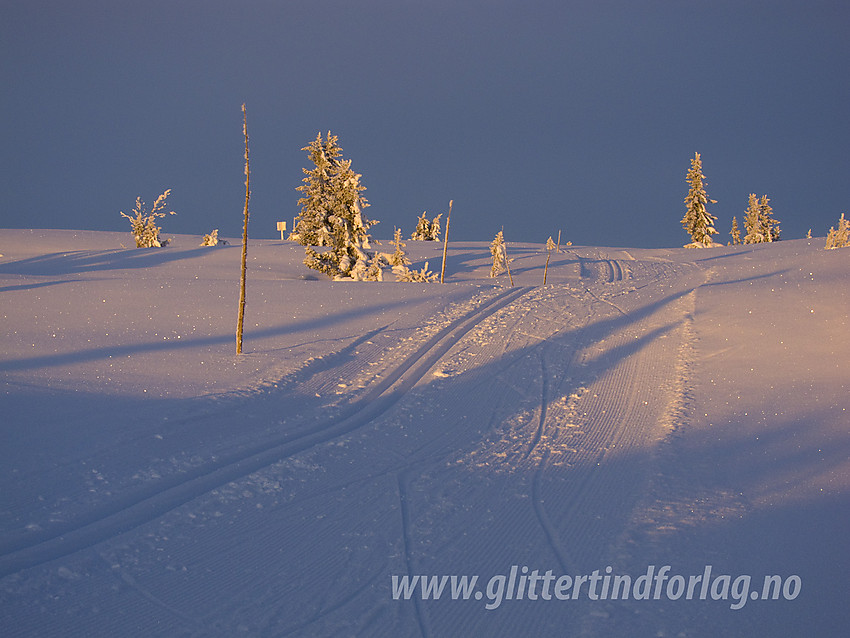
pixel 536 115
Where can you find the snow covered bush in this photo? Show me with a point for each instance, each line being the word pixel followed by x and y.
pixel 370 269
pixel 144 228
pixel 405 274
pixel 427 230
pixel 839 238
pixel 331 216
pixel 697 220
pixel 759 223
pixel 213 240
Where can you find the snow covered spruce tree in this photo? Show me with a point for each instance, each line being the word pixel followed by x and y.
pixel 839 238
pixel 735 232
pixel 398 258
pixel 759 223
pixel 427 230
pixel 501 262
pixel 497 250
pixel 770 223
pixel 697 220
pixel 312 222
pixel 331 216
pixel 752 222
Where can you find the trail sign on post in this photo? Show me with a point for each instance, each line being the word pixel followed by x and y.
pixel 281 226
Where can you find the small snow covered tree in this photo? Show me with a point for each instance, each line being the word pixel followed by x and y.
pixel 420 233
pixel 839 238
pixel 398 258
pixel 769 222
pixel 550 246
pixel 213 240
pixel 434 231
pixel 735 232
pixel 144 228
pixel 400 263
pixel 332 216
pixel 697 220
pixel 427 230
pixel 759 222
pixel 752 222
pixel 497 250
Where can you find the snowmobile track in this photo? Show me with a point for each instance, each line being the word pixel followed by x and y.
pixel 134 510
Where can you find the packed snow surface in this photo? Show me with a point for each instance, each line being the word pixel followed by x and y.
pixel 644 409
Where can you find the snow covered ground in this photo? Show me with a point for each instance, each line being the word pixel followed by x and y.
pixel 646 408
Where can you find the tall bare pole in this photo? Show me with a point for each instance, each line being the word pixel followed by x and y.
pixel 241 319
pixel 446 243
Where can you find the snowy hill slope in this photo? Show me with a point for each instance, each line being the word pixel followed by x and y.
pixel 645 408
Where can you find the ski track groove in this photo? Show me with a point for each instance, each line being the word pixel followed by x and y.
pixel 302 627
pixel 544 403
pixel 407 541
pixel 567 563
pixel 110 520
pixel 128 579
